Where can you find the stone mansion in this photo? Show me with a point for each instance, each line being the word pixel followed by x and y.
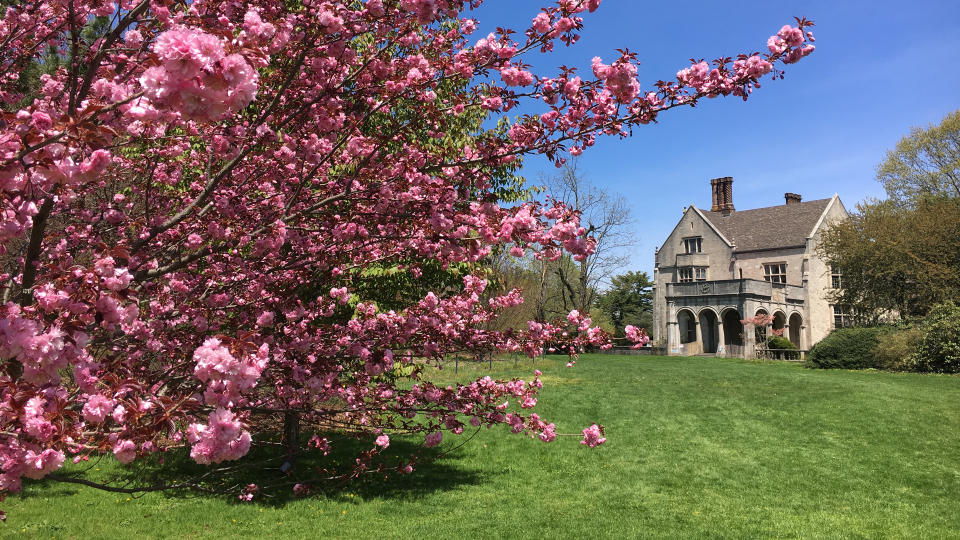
pixel 719 267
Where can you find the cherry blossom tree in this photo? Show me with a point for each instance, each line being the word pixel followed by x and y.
pixel 191 199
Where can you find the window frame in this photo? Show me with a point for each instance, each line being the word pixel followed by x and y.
pixel 842 316
pixel 691 274
pixel 775 277
pixel 695 241
pixel 836 277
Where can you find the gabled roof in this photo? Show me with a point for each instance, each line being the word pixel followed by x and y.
pixel 696 211
pixel 773 227
pixel 702 214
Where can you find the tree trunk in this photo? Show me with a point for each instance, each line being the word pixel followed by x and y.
pixel 540 314
pixel 291 436
pixel 583 303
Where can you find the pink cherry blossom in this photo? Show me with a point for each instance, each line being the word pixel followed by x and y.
pixel 222 438
pixel 433 439
pixel 792 35
pixel 593 436
pixel 97 407
pixel 125 451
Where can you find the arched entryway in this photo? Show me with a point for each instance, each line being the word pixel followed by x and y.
pixel 709 333
pixel 796 323
pixel 732 332
pixel 687 326
pixel 760 330
pixel 779 322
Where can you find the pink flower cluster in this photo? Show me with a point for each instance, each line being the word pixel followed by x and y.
pixel 790 37
pixel 197 78
pixel 35 422
pixel 433 439
pixel 222 438
pixel 69 169
pixel 19 459
pixel 41 352
pixel 514 76
pixel 125 451
pixel 753 66
pixel 256 29
pixel 40 464
pixel 97 408
pixel 578 6
pixel 620 78
pixel 636 335
pixel 227 376
pixel 593 436
pixel 425 10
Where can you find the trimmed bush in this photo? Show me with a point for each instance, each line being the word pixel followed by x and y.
pixel 847 348
pixel 780 342
pixel 939 350
pixel 896 350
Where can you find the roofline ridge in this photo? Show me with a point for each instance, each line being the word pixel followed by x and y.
pixel 823 215
pixel 712 226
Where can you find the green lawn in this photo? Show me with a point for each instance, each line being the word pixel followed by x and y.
pixel 697 447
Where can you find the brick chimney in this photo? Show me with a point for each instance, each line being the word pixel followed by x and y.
pixel 722 195
pixel 792 198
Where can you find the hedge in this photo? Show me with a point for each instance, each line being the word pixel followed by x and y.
pixel 847 348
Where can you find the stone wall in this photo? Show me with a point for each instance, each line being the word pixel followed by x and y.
pixel 715 256
pixel 819 285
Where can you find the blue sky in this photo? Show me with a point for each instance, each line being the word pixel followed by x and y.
pixel 880 67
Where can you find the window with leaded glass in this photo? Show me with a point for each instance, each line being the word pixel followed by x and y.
pixel 841 316
pixel 836 277
pixel 692 273
pixel 775 272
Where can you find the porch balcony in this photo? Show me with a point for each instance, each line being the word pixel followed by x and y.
pixel 736 287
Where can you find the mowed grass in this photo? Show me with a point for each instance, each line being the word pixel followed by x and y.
pixel 697 447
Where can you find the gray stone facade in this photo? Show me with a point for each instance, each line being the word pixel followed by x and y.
pixel 717 268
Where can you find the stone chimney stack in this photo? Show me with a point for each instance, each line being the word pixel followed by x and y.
pixel 722 195
pixel 792 198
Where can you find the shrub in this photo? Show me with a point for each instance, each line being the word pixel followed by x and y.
pixel 779 342
pixel 939 349
pixel 896 350
pixel 847 348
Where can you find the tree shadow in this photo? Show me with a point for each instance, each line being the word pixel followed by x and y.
pixel 267 466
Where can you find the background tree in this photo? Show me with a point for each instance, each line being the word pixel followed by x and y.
pixel 901 255
pixel 606 218
pixel 897 258
pixel 628 301
pixel 924 163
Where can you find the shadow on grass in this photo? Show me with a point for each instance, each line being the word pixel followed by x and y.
pixel 265 466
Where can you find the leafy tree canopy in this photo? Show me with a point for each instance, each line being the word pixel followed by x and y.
pixel 628 300
pixel 896 258
pixel 924 163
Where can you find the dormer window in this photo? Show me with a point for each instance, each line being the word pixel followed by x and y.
pixel 693 245
pixel 775 272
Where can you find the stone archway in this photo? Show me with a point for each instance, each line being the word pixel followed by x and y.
pixel 687 325
pixel 779 323
pixel 732 332
pixel 709 331
pixel 760 331
pixel 796 323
